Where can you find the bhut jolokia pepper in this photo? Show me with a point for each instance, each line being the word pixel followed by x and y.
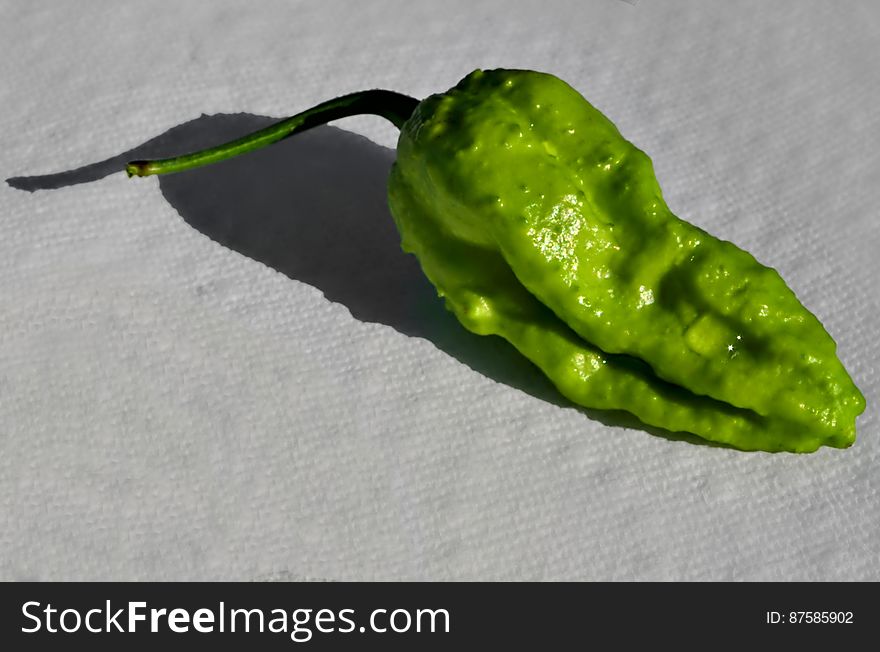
pixel 538 222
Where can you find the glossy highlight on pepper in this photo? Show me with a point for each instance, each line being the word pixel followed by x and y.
pixel 538 222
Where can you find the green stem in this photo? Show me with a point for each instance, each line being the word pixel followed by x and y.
pixel 387 104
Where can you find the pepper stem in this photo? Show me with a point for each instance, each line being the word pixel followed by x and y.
pixel 392 106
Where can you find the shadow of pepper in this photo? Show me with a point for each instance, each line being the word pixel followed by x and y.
pixel 314 207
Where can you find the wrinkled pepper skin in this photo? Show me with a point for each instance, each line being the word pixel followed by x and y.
pixel 538 222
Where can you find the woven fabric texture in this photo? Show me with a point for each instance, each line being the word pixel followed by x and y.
pixel 236 374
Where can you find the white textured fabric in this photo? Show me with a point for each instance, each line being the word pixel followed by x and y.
pixel 235 374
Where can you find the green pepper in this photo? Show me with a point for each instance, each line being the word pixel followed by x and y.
pixel 538 222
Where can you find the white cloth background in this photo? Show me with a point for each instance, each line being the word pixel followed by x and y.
pixel 235 374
